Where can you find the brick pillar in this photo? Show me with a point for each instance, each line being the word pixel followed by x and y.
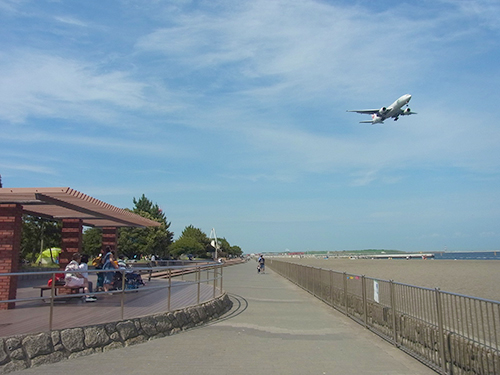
pixel 71 241
pixel 110 237
pixel 11 225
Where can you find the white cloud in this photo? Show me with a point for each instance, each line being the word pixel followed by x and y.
pixel 71 21
pixel 291 51
pixel 304 45
pixel 36 84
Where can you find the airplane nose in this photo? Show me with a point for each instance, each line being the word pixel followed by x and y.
pixel 408 97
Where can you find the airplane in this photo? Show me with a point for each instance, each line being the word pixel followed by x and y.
pixel 393 111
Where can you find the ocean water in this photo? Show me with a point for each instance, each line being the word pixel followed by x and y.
pixel 468 255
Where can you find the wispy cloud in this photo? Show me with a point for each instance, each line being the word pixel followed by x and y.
pixel 277 47
pixel 9 6
pixel 33 168
pixel 35 84
pixel 71 21
pixel 138 146
pixel 485 11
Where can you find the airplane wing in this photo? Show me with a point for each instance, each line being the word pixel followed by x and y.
pixel 371 122
pixel 366 111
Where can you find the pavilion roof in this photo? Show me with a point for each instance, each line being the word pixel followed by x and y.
pixel 66 203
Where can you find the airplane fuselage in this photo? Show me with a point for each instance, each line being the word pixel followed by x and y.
pixel 395 108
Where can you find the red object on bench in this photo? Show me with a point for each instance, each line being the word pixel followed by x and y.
pixel 59 279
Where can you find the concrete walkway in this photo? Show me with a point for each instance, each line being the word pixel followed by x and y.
pixel 274 328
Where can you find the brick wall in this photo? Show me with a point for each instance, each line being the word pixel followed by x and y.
pixel 71 240
pixel 109 237
pixel 10 246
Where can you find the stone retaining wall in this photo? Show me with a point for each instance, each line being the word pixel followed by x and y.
pixel 23 351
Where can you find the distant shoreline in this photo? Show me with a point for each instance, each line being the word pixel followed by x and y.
pixel 368 254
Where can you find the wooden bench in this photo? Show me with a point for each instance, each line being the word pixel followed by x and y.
pixel 70 289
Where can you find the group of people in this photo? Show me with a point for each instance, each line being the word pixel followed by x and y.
pixel 77 272
pixel 107 261
pixel 107 281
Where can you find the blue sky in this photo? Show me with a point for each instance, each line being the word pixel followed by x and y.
pixel 232 115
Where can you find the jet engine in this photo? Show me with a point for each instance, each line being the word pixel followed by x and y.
pixel 376 119
pixel 407 111
pixel 382 110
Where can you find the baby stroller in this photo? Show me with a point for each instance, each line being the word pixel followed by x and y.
pixel 132 280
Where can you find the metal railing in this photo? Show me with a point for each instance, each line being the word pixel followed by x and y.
pixel 184 276
pixel 451 333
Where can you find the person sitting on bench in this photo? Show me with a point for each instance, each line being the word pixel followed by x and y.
pixel 75 278
pixel 84 270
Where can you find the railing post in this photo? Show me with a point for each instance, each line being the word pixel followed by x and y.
pixel 439 311
pixel 320 282
pixel 169 288
pixel 393 307
pixel 122 302
pixel 345 294
pixel 313 281
pixel 331 288
pixel 300 277
pixel 365 300
pixel 215 280
pixel 52 295
pixel 198 278
pixel 221 277
pixel 307 277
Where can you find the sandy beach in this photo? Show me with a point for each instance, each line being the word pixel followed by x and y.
pixel 476 278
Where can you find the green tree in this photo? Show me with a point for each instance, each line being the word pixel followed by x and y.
pixel 192 241
pixel 92 241
pixel 144 205
pixel 150 240
pixel 236 251
pixel 226 250
pixel 39 234
pixel 187 245
pixel 197 234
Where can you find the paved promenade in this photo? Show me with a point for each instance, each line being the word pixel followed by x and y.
pixel 274 328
